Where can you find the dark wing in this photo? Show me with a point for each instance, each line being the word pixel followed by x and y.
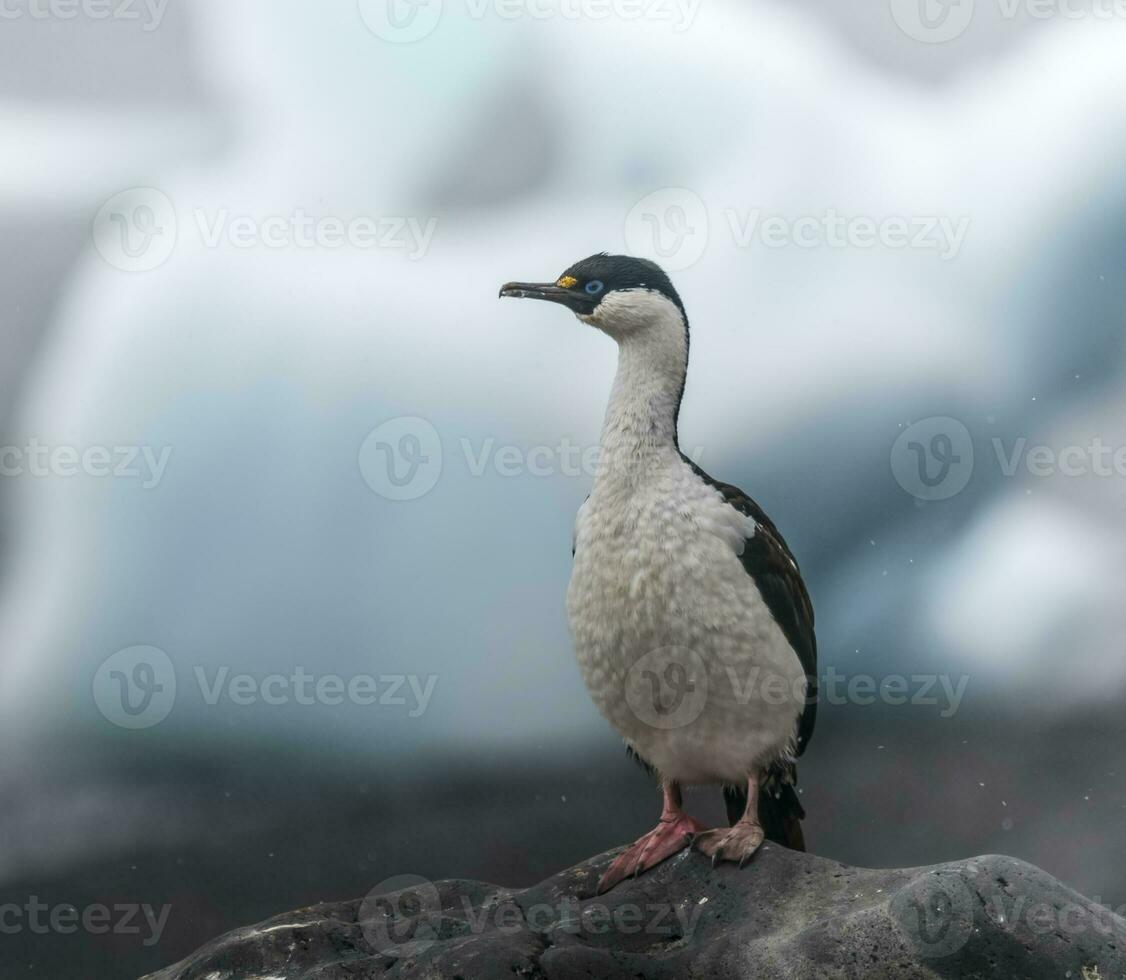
pixel 770 563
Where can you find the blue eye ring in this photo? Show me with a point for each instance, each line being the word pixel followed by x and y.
pixel 594 287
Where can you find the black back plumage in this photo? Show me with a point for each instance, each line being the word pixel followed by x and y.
pixel 769 561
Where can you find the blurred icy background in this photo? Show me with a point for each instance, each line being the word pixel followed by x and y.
pixel 524 143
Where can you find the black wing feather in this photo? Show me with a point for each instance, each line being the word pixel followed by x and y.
pixel 769 561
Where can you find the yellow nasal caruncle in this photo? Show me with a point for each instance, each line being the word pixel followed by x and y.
pixel 567 282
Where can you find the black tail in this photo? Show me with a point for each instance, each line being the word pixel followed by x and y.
pixel 779 810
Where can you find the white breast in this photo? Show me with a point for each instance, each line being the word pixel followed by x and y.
pixel 675 643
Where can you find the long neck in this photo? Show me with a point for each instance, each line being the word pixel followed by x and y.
pixel 640 428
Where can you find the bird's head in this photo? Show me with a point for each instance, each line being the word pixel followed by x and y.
pixel 618 294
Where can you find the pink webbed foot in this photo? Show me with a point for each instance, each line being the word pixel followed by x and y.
pixel 673 834
pixel 737 843
pixel 669 837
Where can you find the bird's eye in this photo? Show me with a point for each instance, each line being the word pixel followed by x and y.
pixel 594 287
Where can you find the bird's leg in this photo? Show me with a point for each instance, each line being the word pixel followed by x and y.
pixel 673 833
pixel 739 842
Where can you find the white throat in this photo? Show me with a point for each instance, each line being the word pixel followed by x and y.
pixel 639 430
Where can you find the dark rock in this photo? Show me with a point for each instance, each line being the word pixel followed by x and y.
pixel 786 915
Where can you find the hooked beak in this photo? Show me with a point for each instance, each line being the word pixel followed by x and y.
pixel 575 301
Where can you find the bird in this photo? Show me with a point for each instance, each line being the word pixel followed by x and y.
pixel 690 621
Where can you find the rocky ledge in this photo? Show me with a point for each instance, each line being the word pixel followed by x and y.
pixel 786 915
